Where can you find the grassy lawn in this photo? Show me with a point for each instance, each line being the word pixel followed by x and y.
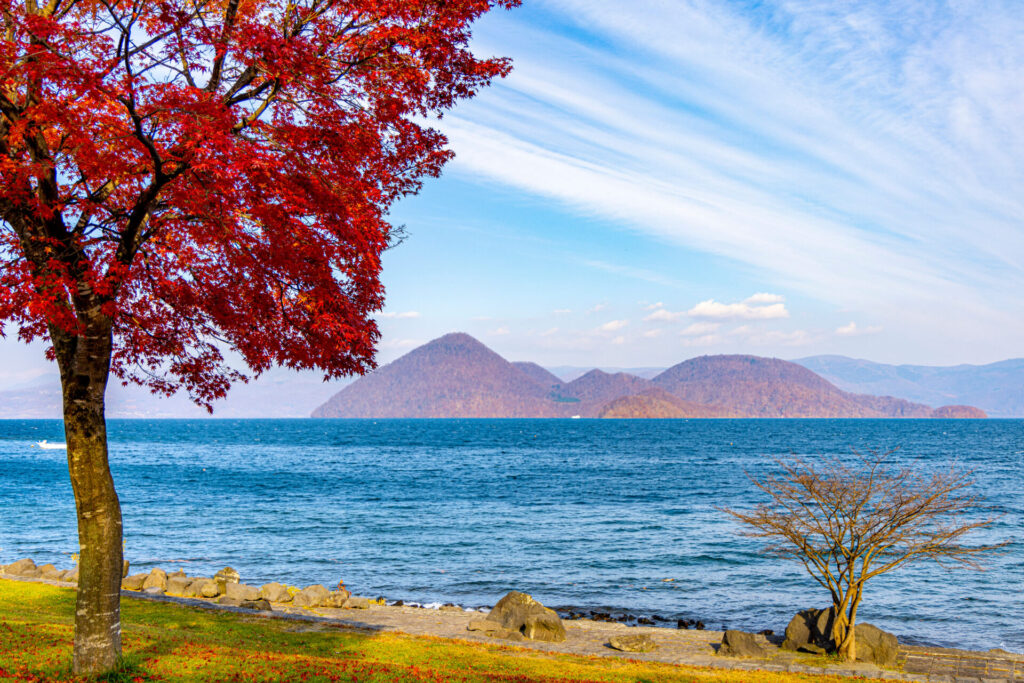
pixel 165 642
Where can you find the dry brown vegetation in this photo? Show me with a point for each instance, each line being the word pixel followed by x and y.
pixel 848 520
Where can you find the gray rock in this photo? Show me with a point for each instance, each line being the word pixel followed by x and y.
pixel 49 572
pixel 124 568
pixel 260 604
pixel 311 596
pixel 209 589
pixel 357 603
pixel 176 585
pixel 640 642
pixel 230 602
pixel 810 627
pixel 226 576
pixel 157 579
pixel 875 645
pixel 134 582
pixel 451 608
pixel 180 574
pixel 63 574
pixel 741 644
pixel 192 589
pixel 21 567
pixel 337 599
pixel 72 576
pixel 241 591
pixel 153 590
pixel 275 592
pixel 520 612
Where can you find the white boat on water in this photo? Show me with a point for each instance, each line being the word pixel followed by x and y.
pixel 47 446
pixel 577 417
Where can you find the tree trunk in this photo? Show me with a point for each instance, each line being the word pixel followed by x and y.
pixel 84 361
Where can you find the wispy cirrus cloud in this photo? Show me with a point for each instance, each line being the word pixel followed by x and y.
pixel 868 154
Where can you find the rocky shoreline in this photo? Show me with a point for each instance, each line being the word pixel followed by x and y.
pixel 526 623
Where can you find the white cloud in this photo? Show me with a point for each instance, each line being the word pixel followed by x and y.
pixel 652 307
pixel 619 340
pixel 613 325
pixel 662 314
pixel 598 308
pixel 700 329
pixel 549 332
pixel 503 330
pixel 653 334
pixel 852 330
pixel 406 315
pixel 740 311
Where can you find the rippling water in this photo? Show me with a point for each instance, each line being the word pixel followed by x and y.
pixel 583 513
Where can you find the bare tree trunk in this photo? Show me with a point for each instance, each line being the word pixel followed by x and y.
pixel 84 362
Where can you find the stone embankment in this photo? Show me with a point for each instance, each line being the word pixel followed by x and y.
pixel 518 619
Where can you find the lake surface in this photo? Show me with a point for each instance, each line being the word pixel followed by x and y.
pixel 579 513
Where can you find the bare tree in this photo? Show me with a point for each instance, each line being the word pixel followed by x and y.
pixel 848 520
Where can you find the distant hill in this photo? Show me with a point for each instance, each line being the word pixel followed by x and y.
pixel 452 376
pixel 769 387
pixel 655 403
pixel 600 387
pixel 568 373
pixel 537 374
pixel 457 376
pixel 996 388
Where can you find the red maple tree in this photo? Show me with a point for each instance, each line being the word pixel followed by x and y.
pixel 178 177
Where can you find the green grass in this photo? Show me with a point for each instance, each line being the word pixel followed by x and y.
pixel 166 642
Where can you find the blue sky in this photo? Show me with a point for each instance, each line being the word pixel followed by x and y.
pixel 660 180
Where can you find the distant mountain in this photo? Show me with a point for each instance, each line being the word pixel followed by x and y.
pixel 537 374
pixel 600 387
pixel 659 404
pixel 996 388
pixel 568 373
pixel 769 387
pixel 457 376
pixel 452 376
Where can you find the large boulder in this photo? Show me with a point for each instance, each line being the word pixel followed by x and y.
pixel 193 587
pixel 520 612
pixel 640 642
pixel 875 645
pixel 135 582
pixel 157 579
pixel 275 592
pixel 337 599
pixel 353 602
pixel 741 644
pixel 260 604
pixel 176 585
pixel 25 568
pixel 209 588
pixel 242 592
pixel 226 576
pixel 811 631
pixel 49 572
pixel 311 596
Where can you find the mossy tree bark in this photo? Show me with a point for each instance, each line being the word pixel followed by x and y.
pixel 84 362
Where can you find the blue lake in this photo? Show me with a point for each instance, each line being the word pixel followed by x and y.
pixel 580 513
